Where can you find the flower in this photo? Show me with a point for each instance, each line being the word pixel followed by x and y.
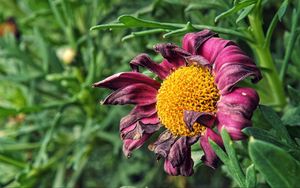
pixel 9 26
pixel 198 91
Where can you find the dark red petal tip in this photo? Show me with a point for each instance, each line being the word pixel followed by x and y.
pixel 139 94
pixel 145 61
pixel 193 41
pixel 191 117
pixel 172 53
pixel 163 144
pixel 124 79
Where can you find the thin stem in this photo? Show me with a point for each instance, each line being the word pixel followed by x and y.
pixel 291 42
pixel 265 60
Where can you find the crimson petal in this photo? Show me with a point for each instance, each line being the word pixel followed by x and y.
pixel 145 61
pixel 136 114
pixel 129 144
pixel 210 158
pixel 138 129
pixel 179 160
pixel 124 79
pixel 192 41
pixel 172 53
pixel 232 66
pixel 139 94
pixel 162 146
pixel 190 117
pixel 235 110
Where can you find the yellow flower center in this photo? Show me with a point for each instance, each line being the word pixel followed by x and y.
pixel 187 88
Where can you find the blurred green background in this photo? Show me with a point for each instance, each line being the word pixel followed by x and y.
pixel 53 132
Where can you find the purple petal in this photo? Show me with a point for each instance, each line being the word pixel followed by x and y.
pixel 210 158
pixel 137 113
pixel 162 146
pixel 172 53
pixel 124 79
pixel 211 48
pixel 231 66
pixel 145 61
pixel 138 129
pixel 185 168
pixel 178 152
pixel 139 94
pixel 235 110
pixel 192 41
pixel 198 60
pixel 190 117
pixel 129 144
pixel 173 171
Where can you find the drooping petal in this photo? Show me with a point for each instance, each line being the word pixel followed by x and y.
pixel 192 41
pixel 162 146
pixel 231 66
pixel 190 117
pixel 136 130
pixel 139 94
pixel 129 144
pixel 136 114
pixel 124 79
pixel 211 48
pixel 172 53
pixel 210 158
pixel 145 61
pixel 184 169
pixel 235 110
pixel 180 157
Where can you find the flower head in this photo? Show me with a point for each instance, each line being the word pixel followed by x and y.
pixel 9 26
pixel 198 92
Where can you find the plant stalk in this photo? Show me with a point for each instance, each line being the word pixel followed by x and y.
pixel 263 54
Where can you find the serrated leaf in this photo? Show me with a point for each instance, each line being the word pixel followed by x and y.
pixel 250 177
pixel 282 9
pixel 277 167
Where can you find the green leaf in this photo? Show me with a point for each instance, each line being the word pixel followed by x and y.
pixel 196 156
pixel 131 21
pixel 292 116
pixel 238 6
pixel 219 151
pixel 250 177
pixel 264 135
pixel 282 9
pixel 245 13
pixel 278 167
pixel 235 166
pixel 203 5
pixel 294 95
pixel 5 112
pixel 274 120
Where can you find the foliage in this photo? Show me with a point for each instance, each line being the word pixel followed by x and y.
pixel 54 133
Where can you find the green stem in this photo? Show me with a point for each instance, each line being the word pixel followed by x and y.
pixel 291 42
pixel 7 160
pixel 265 60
